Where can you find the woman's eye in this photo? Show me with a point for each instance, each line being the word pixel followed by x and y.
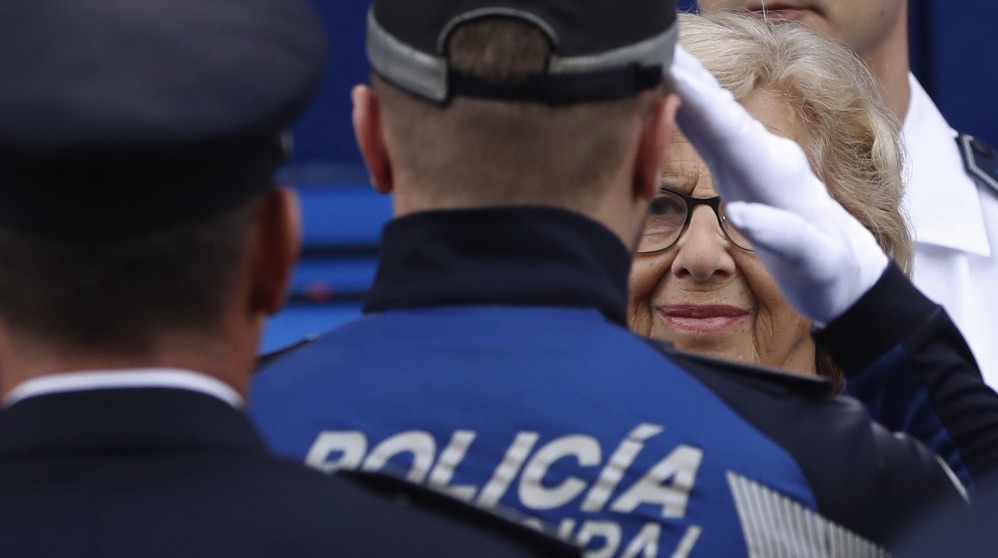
pixel 667 205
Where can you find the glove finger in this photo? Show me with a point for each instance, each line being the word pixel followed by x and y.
pixel 783 234
pixel 804 262
pixel 830 242
pixel 822 271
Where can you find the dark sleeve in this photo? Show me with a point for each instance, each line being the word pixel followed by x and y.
pixel 907 362
pixel 862 476
pixel 964 531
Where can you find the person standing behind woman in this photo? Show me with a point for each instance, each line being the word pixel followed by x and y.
pixel 695 281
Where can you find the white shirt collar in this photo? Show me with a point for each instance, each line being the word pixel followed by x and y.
pixel 119 379
pixel 942 200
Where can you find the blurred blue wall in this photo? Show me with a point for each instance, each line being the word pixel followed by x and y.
pixel 961 62
pixel 324 134
pixel 954 53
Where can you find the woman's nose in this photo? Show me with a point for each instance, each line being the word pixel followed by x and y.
pixel 704 252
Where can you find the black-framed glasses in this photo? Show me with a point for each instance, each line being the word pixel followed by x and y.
pixel 670 216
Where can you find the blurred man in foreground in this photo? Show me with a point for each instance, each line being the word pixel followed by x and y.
pixel 142 244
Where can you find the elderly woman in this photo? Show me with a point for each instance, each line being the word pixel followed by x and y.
pixel 696 281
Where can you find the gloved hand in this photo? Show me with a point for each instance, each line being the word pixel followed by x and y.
pixel 822 258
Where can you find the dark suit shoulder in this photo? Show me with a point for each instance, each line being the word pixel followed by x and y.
pixel 380 515
pixel 503 523
pixel 186 476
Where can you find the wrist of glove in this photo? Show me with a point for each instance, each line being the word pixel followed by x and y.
pixel 822 258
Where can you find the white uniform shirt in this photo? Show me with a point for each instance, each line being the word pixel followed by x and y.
pixel 955 222
pixel 123 379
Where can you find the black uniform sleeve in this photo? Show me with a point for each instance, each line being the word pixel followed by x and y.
pixel 907 362
pixel 863 476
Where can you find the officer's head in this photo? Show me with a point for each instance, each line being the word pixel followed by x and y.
pixel 138 144
pixel 487 102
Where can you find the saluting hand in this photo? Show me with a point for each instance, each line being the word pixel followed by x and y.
pixel 823 259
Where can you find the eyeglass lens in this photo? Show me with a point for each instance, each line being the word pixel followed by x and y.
pixel 669 217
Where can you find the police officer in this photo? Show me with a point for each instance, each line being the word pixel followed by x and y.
pixel 522 142
pixel 142 244
pixel 952 178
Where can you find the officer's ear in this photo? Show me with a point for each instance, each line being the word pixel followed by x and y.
pixel 367 129
pixel 655 134
pixel 277 243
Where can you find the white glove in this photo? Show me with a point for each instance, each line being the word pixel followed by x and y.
pixel 823 259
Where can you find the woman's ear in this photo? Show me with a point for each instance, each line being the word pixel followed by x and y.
pixel 370 141
pixel 276 249
pixel 655 134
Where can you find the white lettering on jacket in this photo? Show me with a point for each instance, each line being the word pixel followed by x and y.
pixel 525 467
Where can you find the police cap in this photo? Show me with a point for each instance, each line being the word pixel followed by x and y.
pixel 601 49
pixel 123 117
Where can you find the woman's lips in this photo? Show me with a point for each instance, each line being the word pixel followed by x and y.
pixel 703 318
pixel 774 11
pixel 780 15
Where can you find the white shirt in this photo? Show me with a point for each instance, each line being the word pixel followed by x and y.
pixel 955 222
pixel 118 379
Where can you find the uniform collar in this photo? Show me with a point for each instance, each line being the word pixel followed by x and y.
pixel 119 379
pixel 515 256
pixel 136 420
pixel 942 200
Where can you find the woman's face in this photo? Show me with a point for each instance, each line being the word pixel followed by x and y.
pixel 705 294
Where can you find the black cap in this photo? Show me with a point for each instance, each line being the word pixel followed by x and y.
pixel 602 49
pixel 122 117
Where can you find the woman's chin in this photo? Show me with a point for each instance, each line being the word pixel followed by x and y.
pixel 728 343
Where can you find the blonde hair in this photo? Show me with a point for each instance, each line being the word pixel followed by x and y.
pixel 853 138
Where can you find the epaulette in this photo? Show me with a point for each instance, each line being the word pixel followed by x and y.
pixel 980 159
pixel 267 359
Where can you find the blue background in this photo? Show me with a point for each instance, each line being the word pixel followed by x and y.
pixel 953 55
